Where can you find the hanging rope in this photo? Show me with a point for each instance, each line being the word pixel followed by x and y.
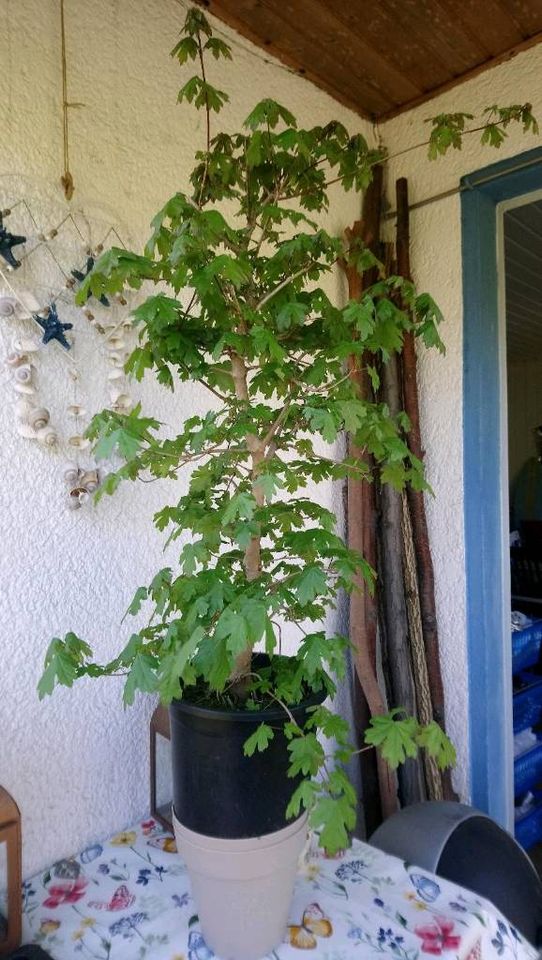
pixel 66 178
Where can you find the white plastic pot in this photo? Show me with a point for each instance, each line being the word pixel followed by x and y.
pixel 242 888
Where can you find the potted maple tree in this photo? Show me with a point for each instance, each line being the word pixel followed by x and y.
pixel 239 308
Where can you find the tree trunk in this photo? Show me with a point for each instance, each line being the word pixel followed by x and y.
pixel 252 556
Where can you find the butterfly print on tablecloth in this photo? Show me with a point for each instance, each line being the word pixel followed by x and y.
pixel 313 924
pixel 197 948
pixel 121 900
pixel 166 844
pixel 427 889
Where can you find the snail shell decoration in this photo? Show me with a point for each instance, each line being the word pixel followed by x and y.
pixel 79 442
pixel 8 305
pixel 26 345
pixel 32 421
pixel 116 343
pixel 47 436
pixel 81 484
pixel 71 474
pixel 78 496
pixel 39 418
pixel 121 402
pixel 22 374
pixel 15 358
pixel 90 480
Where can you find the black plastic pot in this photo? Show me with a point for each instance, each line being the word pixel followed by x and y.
pixel 218 791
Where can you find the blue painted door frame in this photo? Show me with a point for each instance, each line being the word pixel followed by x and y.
pixel 485 450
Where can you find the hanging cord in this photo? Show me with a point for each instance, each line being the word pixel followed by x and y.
pixel 66 178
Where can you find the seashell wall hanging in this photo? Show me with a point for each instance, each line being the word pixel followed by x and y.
pixel 81 484
pixel 34 326
pixel 32 419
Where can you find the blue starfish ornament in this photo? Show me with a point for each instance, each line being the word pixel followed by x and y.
pixel 7 241
pixel 81 275
pixel 53 328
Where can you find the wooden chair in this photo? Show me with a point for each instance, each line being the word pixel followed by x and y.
pixel 10 835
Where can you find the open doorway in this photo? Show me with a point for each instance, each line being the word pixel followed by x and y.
pixel 522 301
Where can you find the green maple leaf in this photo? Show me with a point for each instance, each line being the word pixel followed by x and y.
pixel 323 422
pixel 269 112
pixel 139 598
pixel 395 738
pixel 353 413
pixel 334 817
pixel 62 660
pixel 259 740
pixel 361 314
pixel 302 798
pixel 241 505
pixel 438 745
pixel 306 755
pixel 142 677
pixel 310 584
pixel 269 483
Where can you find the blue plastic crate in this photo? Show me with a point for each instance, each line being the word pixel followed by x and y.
pixel 528 770
pixel 528 830
pixel 526 646
pixel 528 702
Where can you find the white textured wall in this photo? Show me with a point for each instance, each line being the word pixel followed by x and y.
pixel 436 264
pixel 77 763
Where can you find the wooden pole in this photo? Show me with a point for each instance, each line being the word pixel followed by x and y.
pixel 433 778
pixel 361 514
pixel 424 561
pixel 394 608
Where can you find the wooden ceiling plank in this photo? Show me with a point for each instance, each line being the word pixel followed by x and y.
pixel 514 259
pixel 527 14
pixel 381 30
pixel 325 40
pixel 383 59
pixel 522 282
pixel 519 264
pixel 531 215
pixel 519 327
pixel 489 21
pixel 522 346
pixel 527 304
pixel 265 28
pixel 519 336
pixel 523 226
pixel 468 75
pixel 518 322
pixel 329 29
pixel 441 36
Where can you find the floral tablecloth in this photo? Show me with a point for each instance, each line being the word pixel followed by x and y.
pixel 129 899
